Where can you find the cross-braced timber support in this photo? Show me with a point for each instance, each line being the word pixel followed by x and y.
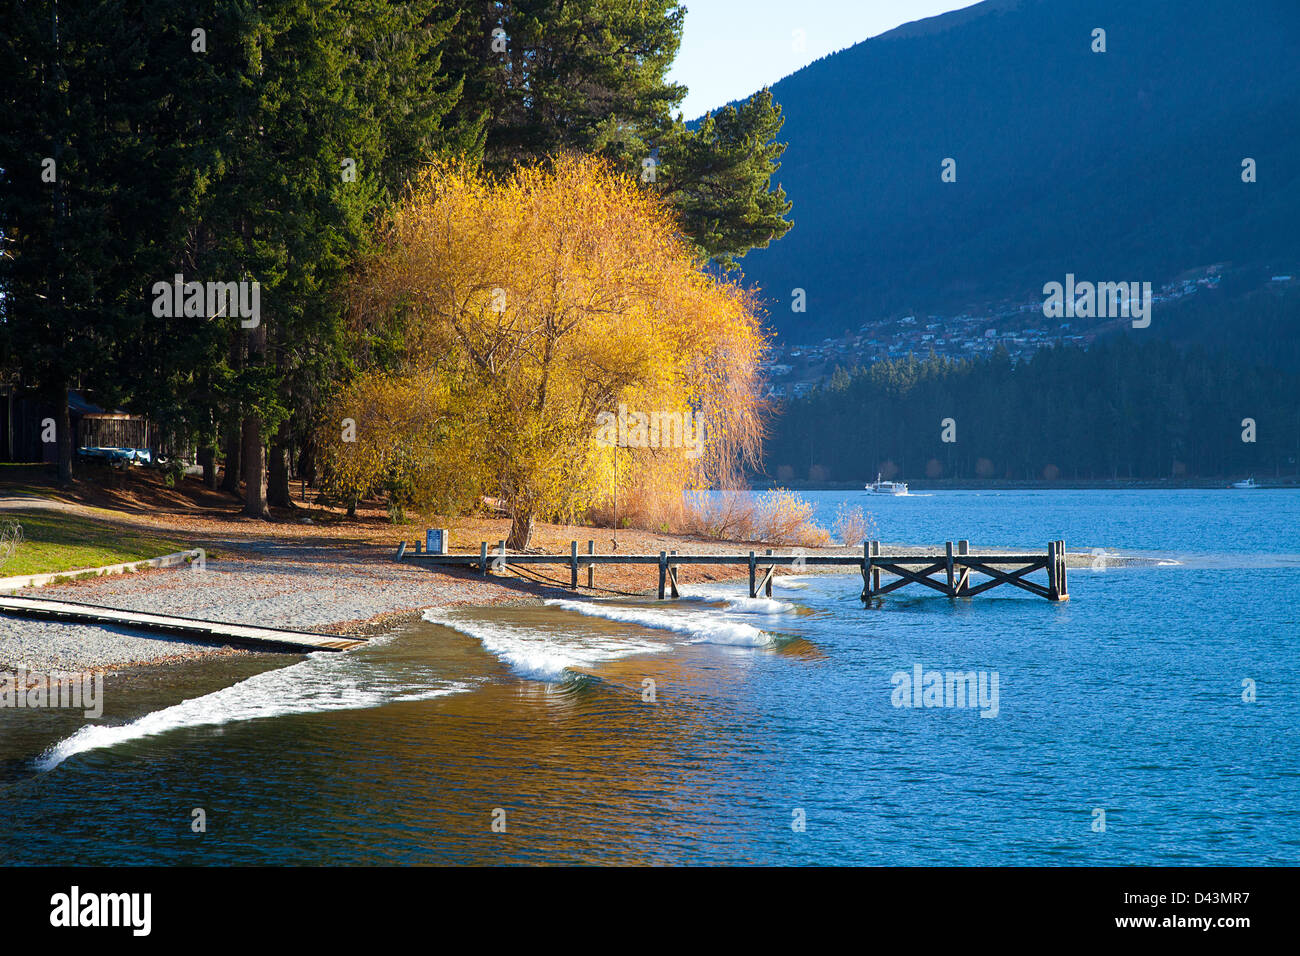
pixel 957 567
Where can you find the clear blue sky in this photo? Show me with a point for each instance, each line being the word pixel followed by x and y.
pixel 730 48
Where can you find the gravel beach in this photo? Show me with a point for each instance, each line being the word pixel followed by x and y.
pixel 298 587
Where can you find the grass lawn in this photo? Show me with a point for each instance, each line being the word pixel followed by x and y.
pixel 55 541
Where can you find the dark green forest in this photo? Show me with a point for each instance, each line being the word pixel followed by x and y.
pixel 266 143
pixel 1119 409
pixel 1260 324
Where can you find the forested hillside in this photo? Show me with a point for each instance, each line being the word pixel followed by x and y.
pixel 1120 409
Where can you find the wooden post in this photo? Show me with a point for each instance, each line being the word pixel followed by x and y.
pixel 401 551
pixel 672 579
pixel 1052 593
pixel 663 572
pixel 591 568
pixel 952 579
pixel 482 558
pixel 771 570
pixel 753 571
pixel 866 571
pixel 573 565
pixel 1061 574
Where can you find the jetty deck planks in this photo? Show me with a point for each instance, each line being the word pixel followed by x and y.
pixel 246 635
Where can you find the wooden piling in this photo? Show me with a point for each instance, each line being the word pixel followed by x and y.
pixel 1065 586
pixel 1053 569
pixel 663 572
pixel 753 575
pixel 952 577
pixel 866 571
pixel 483 561
pixel 591 566
pixel 573 565
pixel 672 578
pixel 1060 589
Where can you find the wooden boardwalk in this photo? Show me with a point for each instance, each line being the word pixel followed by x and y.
pixel 244 635
pixel 948 571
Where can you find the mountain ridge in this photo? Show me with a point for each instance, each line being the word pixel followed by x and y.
pixel 1122 165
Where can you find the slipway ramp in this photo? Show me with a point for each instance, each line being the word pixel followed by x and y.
pixel 243 635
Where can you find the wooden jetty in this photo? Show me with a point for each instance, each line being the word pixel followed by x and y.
pixel 948 571
pixel 245 635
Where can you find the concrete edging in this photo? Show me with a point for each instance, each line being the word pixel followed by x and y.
pixel 8 585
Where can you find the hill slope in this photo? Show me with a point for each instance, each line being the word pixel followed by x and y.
pixel 1123 165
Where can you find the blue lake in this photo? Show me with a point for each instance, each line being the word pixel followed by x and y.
pixel 527 734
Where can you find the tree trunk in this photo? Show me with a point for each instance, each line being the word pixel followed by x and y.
pixel 234 468
pixel 234 440
pixel 254 456
pixel 521 529
pixel 277 489
pixel 208 459
pixel 64 436
pixel 307 462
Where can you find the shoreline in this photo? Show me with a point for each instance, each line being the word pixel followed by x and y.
pixel 360 592
pixel 1038 484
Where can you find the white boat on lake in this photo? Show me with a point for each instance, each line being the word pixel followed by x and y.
pixel 1248 483
pixel 879 487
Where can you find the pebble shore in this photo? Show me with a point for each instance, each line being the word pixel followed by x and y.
pixel 301 587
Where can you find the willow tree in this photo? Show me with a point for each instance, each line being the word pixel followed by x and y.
pixel 537 307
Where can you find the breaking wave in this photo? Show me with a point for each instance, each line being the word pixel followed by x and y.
pixel 323 682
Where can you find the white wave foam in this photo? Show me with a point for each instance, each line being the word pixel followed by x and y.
pixel 323 682
pixel 702 627
pixel 748 605
pixel 736 602
pixel 536 654
pixel 796 582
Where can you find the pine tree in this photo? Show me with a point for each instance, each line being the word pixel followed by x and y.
pixel 548 76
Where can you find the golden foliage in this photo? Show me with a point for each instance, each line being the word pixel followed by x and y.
pixel 778 516
pixel 395 433
pixel 538 303
pixel 852 525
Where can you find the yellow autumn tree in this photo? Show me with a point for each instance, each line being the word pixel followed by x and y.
pixel 559 321
pixel 397 433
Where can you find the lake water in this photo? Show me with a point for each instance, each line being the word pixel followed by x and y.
pixel 773 735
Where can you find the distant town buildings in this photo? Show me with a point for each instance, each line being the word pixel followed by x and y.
pixel 1021 328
